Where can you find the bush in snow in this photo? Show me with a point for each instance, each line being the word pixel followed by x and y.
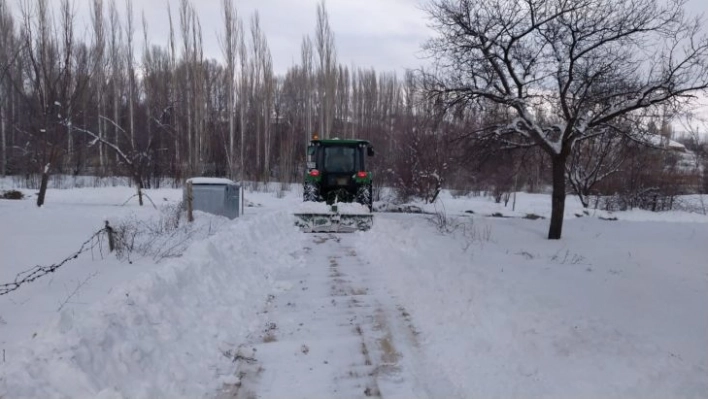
pixel 464 227
pixel 444 223
pixel 162 236
pixel 473 233
pixel 12 195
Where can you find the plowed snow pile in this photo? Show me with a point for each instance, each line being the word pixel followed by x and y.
pixel 161 335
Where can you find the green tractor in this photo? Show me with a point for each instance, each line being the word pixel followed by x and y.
pixel 336 173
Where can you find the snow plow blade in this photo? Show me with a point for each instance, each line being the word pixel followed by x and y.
pixel 333 222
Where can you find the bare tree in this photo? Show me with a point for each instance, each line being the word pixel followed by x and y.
pixel 50 57
pixel 229 46
pixel 341 111
pixel 9 52
pixel 327 72
pixel 263 87
pixel 130 63
pixel 594 159
pixel 256 92
pixel 243 97
pixel 697 142
pixel 268 97
pixel 164 108
pixel 135 159
pixel 173 98
pixel 355 102
pixel 199 102
pixel 99 48
pixel 116 67
pixel 39 47
pixel 185 17
pixel 306 59
pixel 589 62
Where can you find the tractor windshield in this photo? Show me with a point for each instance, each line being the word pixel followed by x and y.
pixel 340 159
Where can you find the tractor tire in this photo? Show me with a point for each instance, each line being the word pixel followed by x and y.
pixel 310 193
pixel 365 196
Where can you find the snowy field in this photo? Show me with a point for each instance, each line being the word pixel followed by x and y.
pixel 476 306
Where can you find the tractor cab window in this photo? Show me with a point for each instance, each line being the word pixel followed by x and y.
pixel 311 157
pixel 340 159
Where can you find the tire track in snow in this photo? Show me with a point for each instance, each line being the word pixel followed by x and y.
pixel 332 331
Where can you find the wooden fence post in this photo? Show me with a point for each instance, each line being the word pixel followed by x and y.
pixel 111 240
pixel 190 202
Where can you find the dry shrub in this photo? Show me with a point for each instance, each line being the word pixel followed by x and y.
pixel 12 195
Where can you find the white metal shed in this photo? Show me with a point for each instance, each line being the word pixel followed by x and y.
pixel 214 195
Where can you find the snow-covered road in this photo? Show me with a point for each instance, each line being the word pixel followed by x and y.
pixel 333 330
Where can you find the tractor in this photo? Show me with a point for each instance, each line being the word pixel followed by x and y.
pixel 336 173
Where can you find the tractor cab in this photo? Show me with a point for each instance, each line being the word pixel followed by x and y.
pixel 337 172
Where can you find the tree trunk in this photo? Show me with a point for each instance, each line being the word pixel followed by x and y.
pixel 3 141
pixel 43 186
pixel 558 198
pixel 584 198
pixel 140 194
pixel 116 138
pixel 190 202
pixel 581 192
pixel 139 188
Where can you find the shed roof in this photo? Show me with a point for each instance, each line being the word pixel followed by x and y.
pixel 210 180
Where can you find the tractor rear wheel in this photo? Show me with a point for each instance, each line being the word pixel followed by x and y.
pixel 310 193
pixel 365 196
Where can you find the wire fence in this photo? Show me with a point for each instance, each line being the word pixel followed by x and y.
pixel 39 271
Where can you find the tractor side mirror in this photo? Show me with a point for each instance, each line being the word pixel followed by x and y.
pixel 370 151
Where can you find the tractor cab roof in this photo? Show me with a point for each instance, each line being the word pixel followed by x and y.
pixel 335 141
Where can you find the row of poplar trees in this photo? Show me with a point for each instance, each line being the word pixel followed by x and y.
pixel 94 103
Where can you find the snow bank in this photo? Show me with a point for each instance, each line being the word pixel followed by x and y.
pixel 540 204
pixel 162 335
pixel 640 215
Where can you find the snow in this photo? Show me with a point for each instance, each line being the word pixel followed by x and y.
pixel 540 204
pixel 383 206
pixel 209 180
pixel 485 307
pixel 610 311
pixel 352 208
pixel 312 207
pixel 328 332
pixel 159 332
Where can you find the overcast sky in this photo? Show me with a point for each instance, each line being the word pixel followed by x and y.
pixel 384 34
